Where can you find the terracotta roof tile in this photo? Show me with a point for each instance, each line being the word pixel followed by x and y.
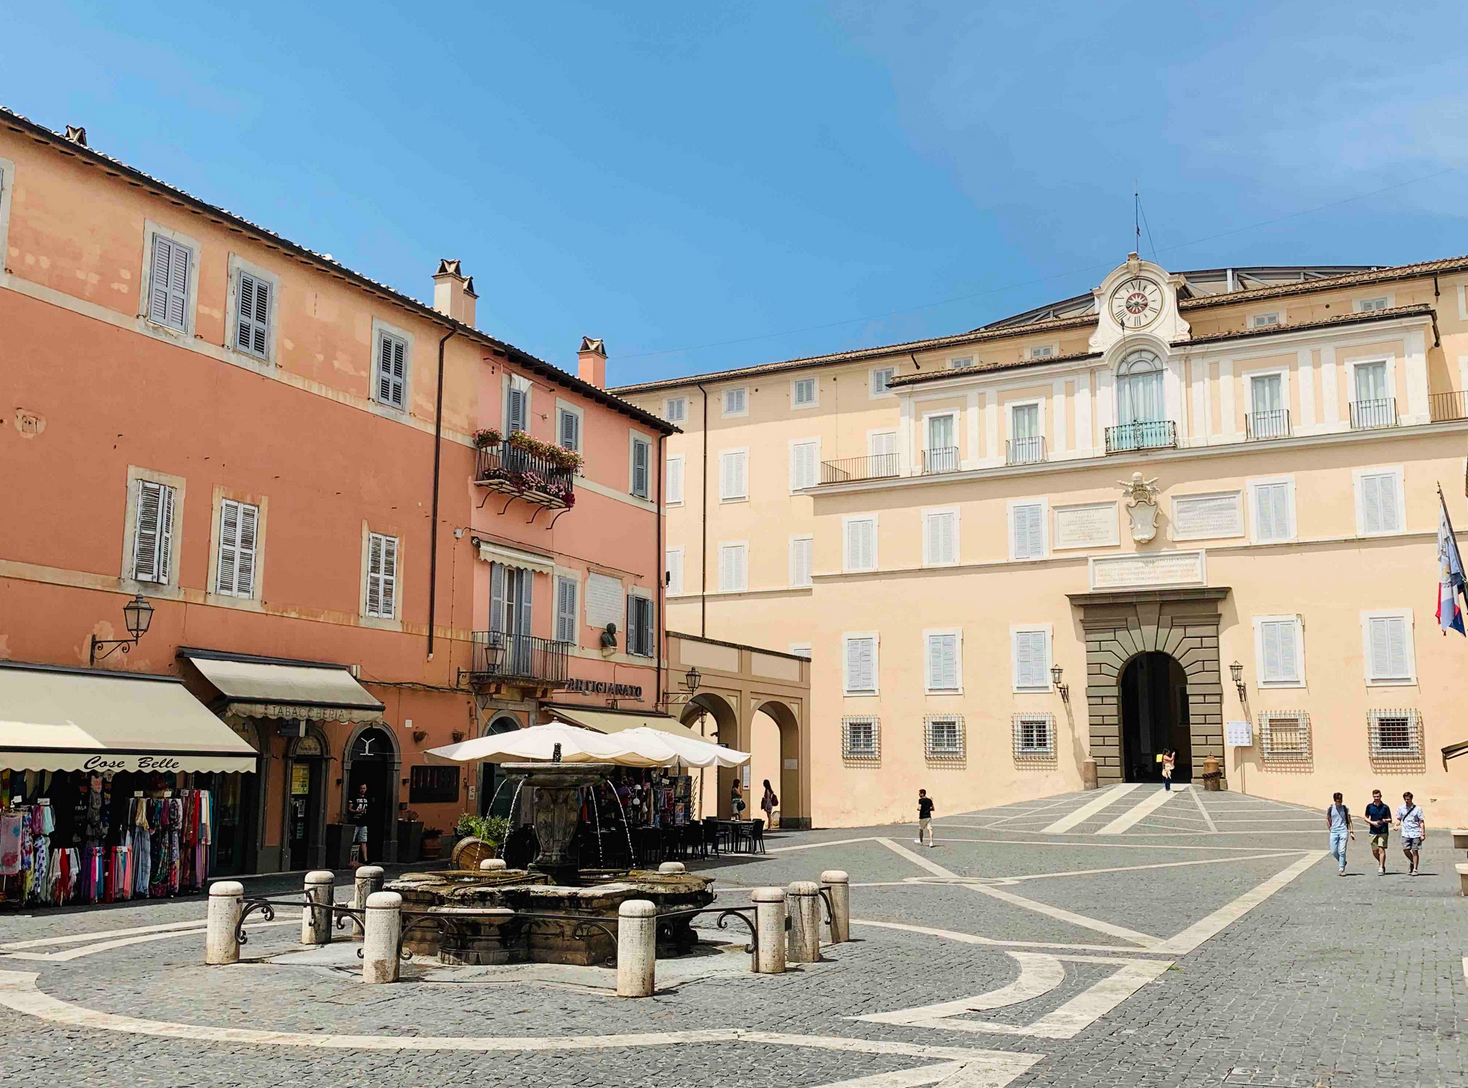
pixel 1353 279
pixel 985 368
pixel 1302 326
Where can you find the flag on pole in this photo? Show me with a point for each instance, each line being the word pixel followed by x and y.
pixel 1451 580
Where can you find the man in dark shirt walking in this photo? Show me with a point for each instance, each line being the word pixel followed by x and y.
pixel 1379 824
pixel 925 818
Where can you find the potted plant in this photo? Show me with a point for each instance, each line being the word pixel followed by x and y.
pixel 432 842
pixel 487 437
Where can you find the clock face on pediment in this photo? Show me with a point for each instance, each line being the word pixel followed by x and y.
pixel 1136 302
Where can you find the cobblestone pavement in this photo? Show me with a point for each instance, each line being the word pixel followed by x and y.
pixel 1096 939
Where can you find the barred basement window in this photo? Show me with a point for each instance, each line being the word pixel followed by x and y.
pixel 943 735
pixel 1034 736
pixel 429 785
pixel 1285 734
pixel 860 738
pixel 1395 734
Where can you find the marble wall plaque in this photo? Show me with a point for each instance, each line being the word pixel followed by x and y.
pixel 1210 516
pixel 604 601
pixel 1160 569
pixel 1086 525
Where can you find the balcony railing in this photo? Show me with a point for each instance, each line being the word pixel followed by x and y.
pixel 501 655
pixel 513 471
pixel 1024 451
pixel 1370 415
pixel 1272 424
pixel 942 459
pixel 848 470
pixel 1448 406
pixel 1153 434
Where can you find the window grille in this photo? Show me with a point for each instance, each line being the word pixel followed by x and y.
pixel 861 738
pixel 943 736
pixel 1285 734
pixel 1395 734
pixel 1034 736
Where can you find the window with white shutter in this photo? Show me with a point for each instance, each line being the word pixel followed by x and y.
pixel 801 552
pixel 1279 651
pixel 1273 506
pixel 168 283
pixel 1030 648
pixel 392 370
pixel 1387 647
pixel 940 537
pixel 736 401
pixel 733 567
pixel 803 393
pixel 382 576
pixel 882 380
pixel 234 574
pixel 1027 530
pixel 568 429
pixel 566 589
pixel 859 664
pixel 860 545
pixel 805 464
pixel 641 466
pixel 1379 501
pixel 675 409
pixel 152 531
pixel 733 475
pixel 673 564
pixel 674 496
pixel 944 653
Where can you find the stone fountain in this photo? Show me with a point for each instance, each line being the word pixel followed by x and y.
pixel 504 916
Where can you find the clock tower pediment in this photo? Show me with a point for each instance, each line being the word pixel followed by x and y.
pixel 1137 298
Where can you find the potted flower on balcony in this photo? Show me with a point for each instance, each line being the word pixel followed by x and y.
pixel 487 437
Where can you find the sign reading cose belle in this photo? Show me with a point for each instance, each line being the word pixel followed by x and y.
pixel 132 763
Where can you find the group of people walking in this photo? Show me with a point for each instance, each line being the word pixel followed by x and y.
pixel 1379 819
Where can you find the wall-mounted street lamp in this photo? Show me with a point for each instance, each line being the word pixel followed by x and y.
pixel 691 680
pixel 1238 674
pixel 1055 674
pixel 137 614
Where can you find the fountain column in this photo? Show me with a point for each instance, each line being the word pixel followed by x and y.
pixel 368 880
pixel 384 928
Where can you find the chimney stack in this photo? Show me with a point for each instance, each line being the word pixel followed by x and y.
pixel 591 362
pixel 453 292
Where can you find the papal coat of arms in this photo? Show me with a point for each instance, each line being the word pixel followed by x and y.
pixel 1141 495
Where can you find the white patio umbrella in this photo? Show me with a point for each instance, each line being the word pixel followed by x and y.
pixel 686 750
pixel 539 742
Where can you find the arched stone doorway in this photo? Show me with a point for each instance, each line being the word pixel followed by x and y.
pixel 713 717
pixel 494 801
pixel 306 765
pixel 787 784
pixel 372 759
pixel 1153 687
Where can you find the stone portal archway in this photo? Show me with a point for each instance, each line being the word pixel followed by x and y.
pixel 1119 626
pixel 712 715
pixel 375 746
pixel 793 812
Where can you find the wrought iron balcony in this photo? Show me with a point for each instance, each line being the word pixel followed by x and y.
pixel 1024 451
pixel 1370 415
pixel 850 469
pixel 1271 424
pixel 1448 406
pixel 942 459
pixel 501 655
pixel 1153 434
pixel 513 471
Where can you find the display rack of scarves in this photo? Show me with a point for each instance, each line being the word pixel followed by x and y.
pixel 25 852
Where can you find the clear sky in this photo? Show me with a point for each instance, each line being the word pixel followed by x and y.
pixel 710 185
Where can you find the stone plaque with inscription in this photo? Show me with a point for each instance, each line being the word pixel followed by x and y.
pixel 1196 517
pixel 1086 525
pixel 603 601
pixel 1142 571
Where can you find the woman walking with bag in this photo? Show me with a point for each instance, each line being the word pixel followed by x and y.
pixel 770 803
pixel 1169 761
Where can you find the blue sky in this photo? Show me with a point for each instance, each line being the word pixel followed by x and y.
pixel 713 185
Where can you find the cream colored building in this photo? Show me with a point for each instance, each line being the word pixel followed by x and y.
pixel 1142 486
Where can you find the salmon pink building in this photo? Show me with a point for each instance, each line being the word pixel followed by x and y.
pixel 363 526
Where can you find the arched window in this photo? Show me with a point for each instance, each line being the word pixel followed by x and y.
pixel 1139 388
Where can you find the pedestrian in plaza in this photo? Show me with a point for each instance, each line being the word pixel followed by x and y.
pixel 769 802
pixel 359 808
pixel 1379 823
pixel 1413 825
pixel 925 819
pixel 1338 823
pixel 1169 762
pixel 736 800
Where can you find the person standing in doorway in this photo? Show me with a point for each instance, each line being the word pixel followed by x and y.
pixel 1379 823
pixel 925 819
pixel 736 800
pixel 769 802
pixel 1169 761
pixel 1413 825
pixel 360 807
pixel 1338 823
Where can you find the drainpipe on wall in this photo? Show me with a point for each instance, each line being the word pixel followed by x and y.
pixel 661 567
pixel 433 524
pixel 703 556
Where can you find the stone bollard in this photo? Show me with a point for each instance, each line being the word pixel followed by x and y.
pixel 380 942
pixel 637 947
pixel 316 924
pixel 769 926
pixel 492 865
pixel 838 887
pixel 1089 775
pixel 368 880
pixel 221 942
pixel 804 903
pixel 672 867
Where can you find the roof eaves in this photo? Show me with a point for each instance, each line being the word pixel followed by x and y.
pixel 1419 309
pixel 1352 279
pixel 59 142
pixel 990 368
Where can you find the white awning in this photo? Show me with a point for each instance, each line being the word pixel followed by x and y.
pixel 514 557
pixel 263 688
pixel 56 719
pixel 614 721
